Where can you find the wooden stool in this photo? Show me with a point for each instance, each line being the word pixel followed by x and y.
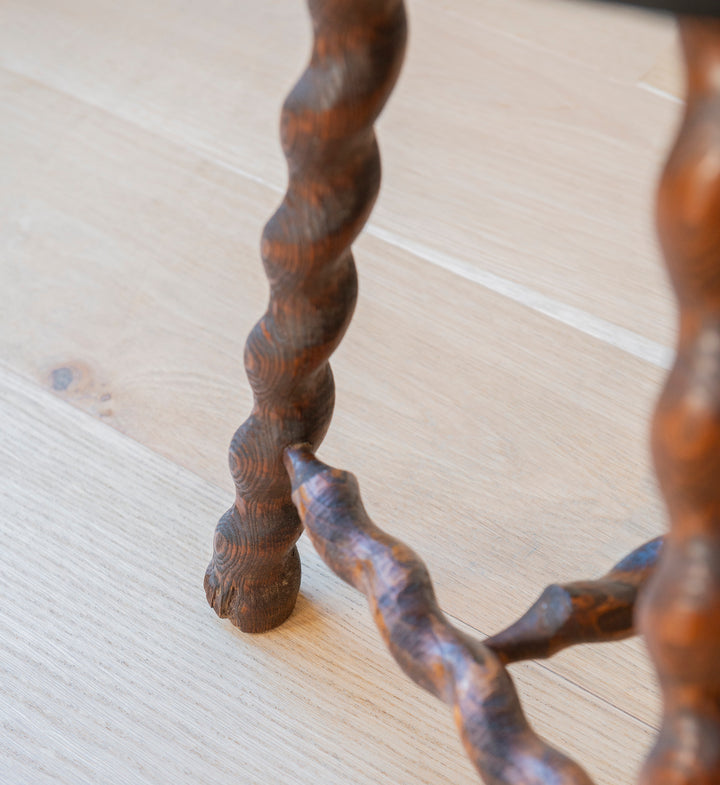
pixel 254 576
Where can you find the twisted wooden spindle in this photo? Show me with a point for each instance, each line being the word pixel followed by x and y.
pixel 680 612
pixel 596 611
pixel 334 177
pixel 468 675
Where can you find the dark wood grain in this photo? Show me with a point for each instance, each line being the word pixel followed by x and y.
pixel 460 671
pixel 581 612
pixel 254 576
pixel 680 611
pixel 334 177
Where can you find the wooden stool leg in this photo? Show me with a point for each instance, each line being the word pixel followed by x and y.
pixel 680 612
pixel 334 177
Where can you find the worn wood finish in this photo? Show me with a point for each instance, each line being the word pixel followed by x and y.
pixel 463 673
pixel 99 684
pixel 467 675
pixel 580 612
pixel 682 606
pixel 334 177
pixel 422 351
pixel 88 665
pixel 125 197
pixel 680 613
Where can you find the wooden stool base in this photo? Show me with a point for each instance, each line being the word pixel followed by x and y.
pixel 253 579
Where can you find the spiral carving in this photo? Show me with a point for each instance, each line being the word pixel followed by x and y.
pixel 334 176
pixel 465 674
pixel 680 611
pixel 582 612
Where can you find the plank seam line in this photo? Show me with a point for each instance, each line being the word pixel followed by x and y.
pixel 473 631
pixel 649 88
pixel 612 334
pixel 13 381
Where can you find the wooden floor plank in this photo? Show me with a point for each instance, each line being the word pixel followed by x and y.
pixel 467 417
pixel 666 76
pixel 114 670
pixel 140 161
pixel 522 166
pixel 518 139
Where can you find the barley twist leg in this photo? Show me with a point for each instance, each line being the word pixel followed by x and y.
pixel 334 176
pixel 680 612
pixel 458 670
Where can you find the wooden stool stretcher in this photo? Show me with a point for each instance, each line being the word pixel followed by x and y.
pixel 669 589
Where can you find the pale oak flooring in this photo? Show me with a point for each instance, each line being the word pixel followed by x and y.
pixel 512 333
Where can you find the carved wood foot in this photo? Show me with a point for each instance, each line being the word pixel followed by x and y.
pixel 680 612
pixel 334 176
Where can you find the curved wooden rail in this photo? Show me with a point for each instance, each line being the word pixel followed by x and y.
pixel 334 177
pixel 468 675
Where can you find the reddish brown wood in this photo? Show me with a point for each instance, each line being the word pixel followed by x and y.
pixel 680 612
pixel 581 612
pixel 334 176
pixel 254 576
pixel 462 672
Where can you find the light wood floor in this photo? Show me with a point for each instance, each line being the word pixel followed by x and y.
pixel 513 330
